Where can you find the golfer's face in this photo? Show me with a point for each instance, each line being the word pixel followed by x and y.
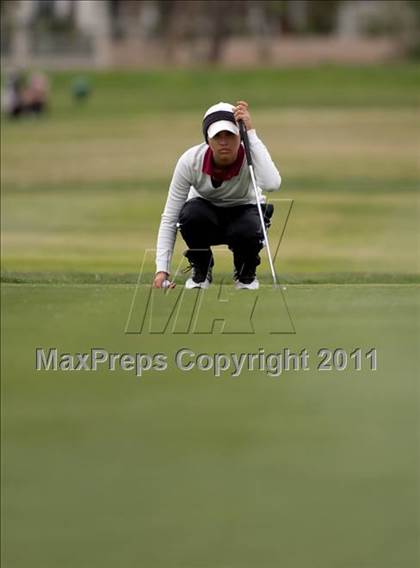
pixel 225 146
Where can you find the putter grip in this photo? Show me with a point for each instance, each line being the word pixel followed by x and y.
pixel 245 140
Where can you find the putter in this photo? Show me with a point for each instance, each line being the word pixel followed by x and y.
pixel 245 140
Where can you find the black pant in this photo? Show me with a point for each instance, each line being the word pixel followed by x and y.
pixel 203 224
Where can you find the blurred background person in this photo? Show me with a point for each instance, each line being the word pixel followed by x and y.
pixel 25 94
pixel 35 94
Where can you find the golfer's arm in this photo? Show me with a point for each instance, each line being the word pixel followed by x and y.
pixel 267 175
pixel 178 193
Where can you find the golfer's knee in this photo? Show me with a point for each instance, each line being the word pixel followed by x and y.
pixel 246 236
pixel 194 225
pixel 194 217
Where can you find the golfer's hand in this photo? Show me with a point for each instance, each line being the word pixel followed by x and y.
pixel 241 112
pixel 160 278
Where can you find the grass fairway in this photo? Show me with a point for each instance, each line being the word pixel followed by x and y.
pixel 83 190
pixel 310 469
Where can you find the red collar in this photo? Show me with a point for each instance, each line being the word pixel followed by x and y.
pixel 222 174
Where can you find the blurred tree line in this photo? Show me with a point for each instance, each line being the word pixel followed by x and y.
pixel 215 21
pixel 208 24
pixel 205 26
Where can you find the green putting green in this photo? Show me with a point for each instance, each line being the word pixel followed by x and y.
pixel 186 469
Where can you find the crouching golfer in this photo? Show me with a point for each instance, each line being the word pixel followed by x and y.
pixel 212 200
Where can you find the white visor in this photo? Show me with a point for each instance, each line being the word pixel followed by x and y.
pixel 220 125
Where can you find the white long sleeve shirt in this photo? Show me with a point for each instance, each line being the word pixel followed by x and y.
pixel 189 181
